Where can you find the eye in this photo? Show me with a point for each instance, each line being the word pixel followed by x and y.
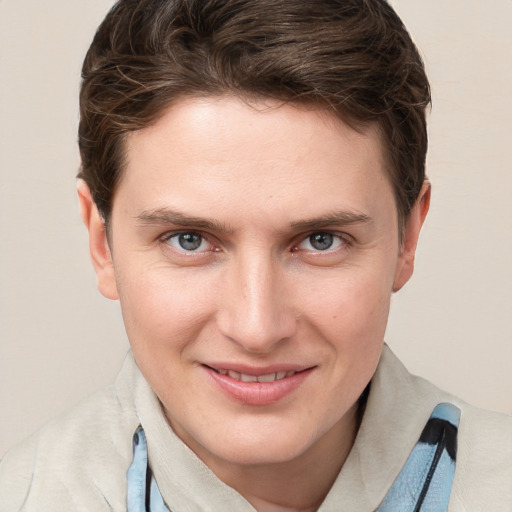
pixel 188 242
pixel 322 241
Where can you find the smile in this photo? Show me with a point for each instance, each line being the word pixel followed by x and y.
pixel 255 387
pixel 244 377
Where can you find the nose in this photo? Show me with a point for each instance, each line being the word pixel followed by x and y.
pixel 256 311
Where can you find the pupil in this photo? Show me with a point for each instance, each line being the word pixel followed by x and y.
pixel 190 241
pixel 321 241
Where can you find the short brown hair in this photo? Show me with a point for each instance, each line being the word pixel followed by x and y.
pixel 354 57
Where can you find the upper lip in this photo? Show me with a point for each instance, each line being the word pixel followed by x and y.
pixel 257 370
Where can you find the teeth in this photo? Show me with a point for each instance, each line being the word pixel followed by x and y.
pixel 248 378
pixel 269 377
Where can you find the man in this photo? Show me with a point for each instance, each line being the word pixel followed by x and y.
pixel 253 186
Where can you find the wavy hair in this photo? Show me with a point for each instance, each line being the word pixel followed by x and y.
pixel 352 57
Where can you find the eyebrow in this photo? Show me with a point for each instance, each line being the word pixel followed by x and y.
pixel 166 217
pixel 341 218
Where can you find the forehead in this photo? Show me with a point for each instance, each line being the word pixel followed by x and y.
pixel 264 156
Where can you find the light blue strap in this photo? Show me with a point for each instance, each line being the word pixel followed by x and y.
pixel 138 497
pixel 156 501
pixel 426 480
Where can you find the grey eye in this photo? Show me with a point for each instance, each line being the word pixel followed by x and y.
pixel 321 241
pixel 190 241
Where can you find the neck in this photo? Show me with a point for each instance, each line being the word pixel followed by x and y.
pixel 297 485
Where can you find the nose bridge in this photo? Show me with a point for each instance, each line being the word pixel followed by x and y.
pixel 257 313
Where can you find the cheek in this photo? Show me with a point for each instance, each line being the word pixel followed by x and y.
pixel 350 314
pixel 164 319
pixel 354 301
pixel 160 309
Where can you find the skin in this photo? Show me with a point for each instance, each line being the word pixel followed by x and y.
pixel 253 183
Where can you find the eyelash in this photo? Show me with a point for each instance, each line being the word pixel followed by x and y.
pixel 344 241
pixel 169 236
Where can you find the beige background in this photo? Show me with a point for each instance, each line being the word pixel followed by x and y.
pixel 59 339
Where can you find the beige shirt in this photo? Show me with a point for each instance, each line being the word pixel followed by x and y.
pixel 79 461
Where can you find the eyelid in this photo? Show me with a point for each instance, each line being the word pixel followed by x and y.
pixel 346 239
pixel 176 233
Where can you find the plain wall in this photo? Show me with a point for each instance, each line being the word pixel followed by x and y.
pixel 60 340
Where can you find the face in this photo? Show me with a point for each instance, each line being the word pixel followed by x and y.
pixel 254 251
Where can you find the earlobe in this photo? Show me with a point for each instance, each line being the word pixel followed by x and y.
pixel 98 243
pixel 405 263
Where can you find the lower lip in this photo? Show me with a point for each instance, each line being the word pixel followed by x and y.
pixel 258 393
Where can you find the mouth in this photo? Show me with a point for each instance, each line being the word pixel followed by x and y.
pixel 257 387
pixel 244 377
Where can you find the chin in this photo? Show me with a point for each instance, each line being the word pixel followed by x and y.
pixel 266 442
pixel 272 451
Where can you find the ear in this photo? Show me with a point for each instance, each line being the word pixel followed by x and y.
pixel 99 248
pixel 405 263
